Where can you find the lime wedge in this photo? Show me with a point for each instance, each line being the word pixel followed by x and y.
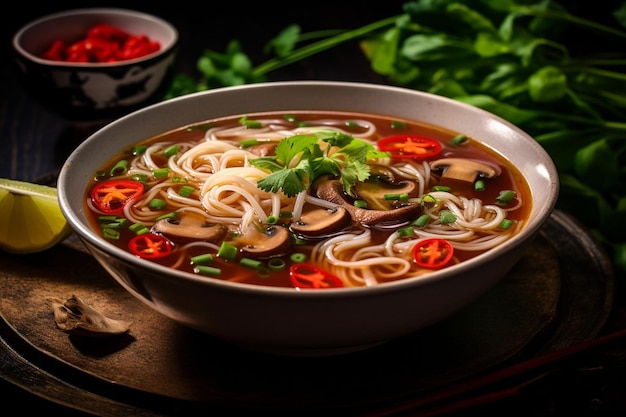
pixel 30 217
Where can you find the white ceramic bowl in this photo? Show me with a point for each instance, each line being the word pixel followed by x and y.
pixel 283 320
pixel 94 91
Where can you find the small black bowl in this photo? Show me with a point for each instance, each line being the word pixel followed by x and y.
pixel 89 92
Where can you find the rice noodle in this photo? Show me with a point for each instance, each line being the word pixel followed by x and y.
pixel 226 192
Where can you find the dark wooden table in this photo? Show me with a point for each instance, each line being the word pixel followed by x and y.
pixel 35 143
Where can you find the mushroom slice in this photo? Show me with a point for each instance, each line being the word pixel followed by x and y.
pixel 75 317
pixel 464 170
pixel 333 191
pixel 190 227
pixel 263 149
pixel 266 242
pixel 319 223
pixel 382 172
pixel 374 193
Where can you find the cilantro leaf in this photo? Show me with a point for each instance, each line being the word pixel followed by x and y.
pixel 300 159
pixel 293 147
pixel 285 177
pixel 290 181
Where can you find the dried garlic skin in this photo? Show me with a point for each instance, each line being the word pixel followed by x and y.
pixel 75 317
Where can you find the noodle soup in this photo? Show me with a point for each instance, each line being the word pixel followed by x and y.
pixel 308 200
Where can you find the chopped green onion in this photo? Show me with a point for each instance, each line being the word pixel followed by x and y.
pixel 479 185
pixel 207 270
pixel 204 259
pixel 276 264
pixel 143 178
pixel 427 199
pixel 360 203
pixel 201 126
pixel 105 219
pixel 446 216
pixel 227 251
pixel 458 140
pixel 138 229
pixel 422 220
pixel 171 151
pixel 272 219
pixel 401 196
pixel 250 124
pixel 119 168
pixel 100 174
pixel 353 124
pixel 298 257
pixel 506 224
pixel 112 234
pixel 112 222
pixel 505 197
pixel 161 172
pixel 171 215
pixel 395 124
pixel 250 263
pixel 186 190
pixel 179 180
pixel 139 150
pixel 286 214
pixel 157 203
pixel 112 225
pixel 248 142
pixel 262 272
pixel 406 231
pixel 441 188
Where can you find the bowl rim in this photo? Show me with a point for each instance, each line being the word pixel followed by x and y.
pixel 164 50
pixel 531 227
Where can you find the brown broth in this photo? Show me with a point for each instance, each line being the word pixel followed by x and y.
pixel 509 179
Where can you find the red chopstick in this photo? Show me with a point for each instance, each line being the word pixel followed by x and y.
pixel 500 375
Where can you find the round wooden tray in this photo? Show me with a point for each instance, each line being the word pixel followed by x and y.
pixel 560 293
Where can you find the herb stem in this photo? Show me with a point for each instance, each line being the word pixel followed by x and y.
pixel 585 120
pixel 552 14
pixel 322 45
pixel 600 72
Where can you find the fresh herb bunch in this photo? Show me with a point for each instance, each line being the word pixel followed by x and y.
pixel 557 71
pixel 300 159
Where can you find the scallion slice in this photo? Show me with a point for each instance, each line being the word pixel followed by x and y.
pixel 157 203
pixel 186 190
pixel 171 151
pixel 119 168
pixel 227 251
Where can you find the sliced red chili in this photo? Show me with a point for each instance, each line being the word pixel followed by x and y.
pixel 433 253
pixel 56 52
pixel 306 276
pixel 111 196
pixel 410 146
pixel 150 246
pixel 107 33
pixel 103 43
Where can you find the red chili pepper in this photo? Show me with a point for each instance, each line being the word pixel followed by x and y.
pixel 107 33
pixel 111 196
pixel 410 146
pixel 137 46
pixel 433 253
pixel 150 246
pixel 103 43
pixel 309 276
pixel 56 52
